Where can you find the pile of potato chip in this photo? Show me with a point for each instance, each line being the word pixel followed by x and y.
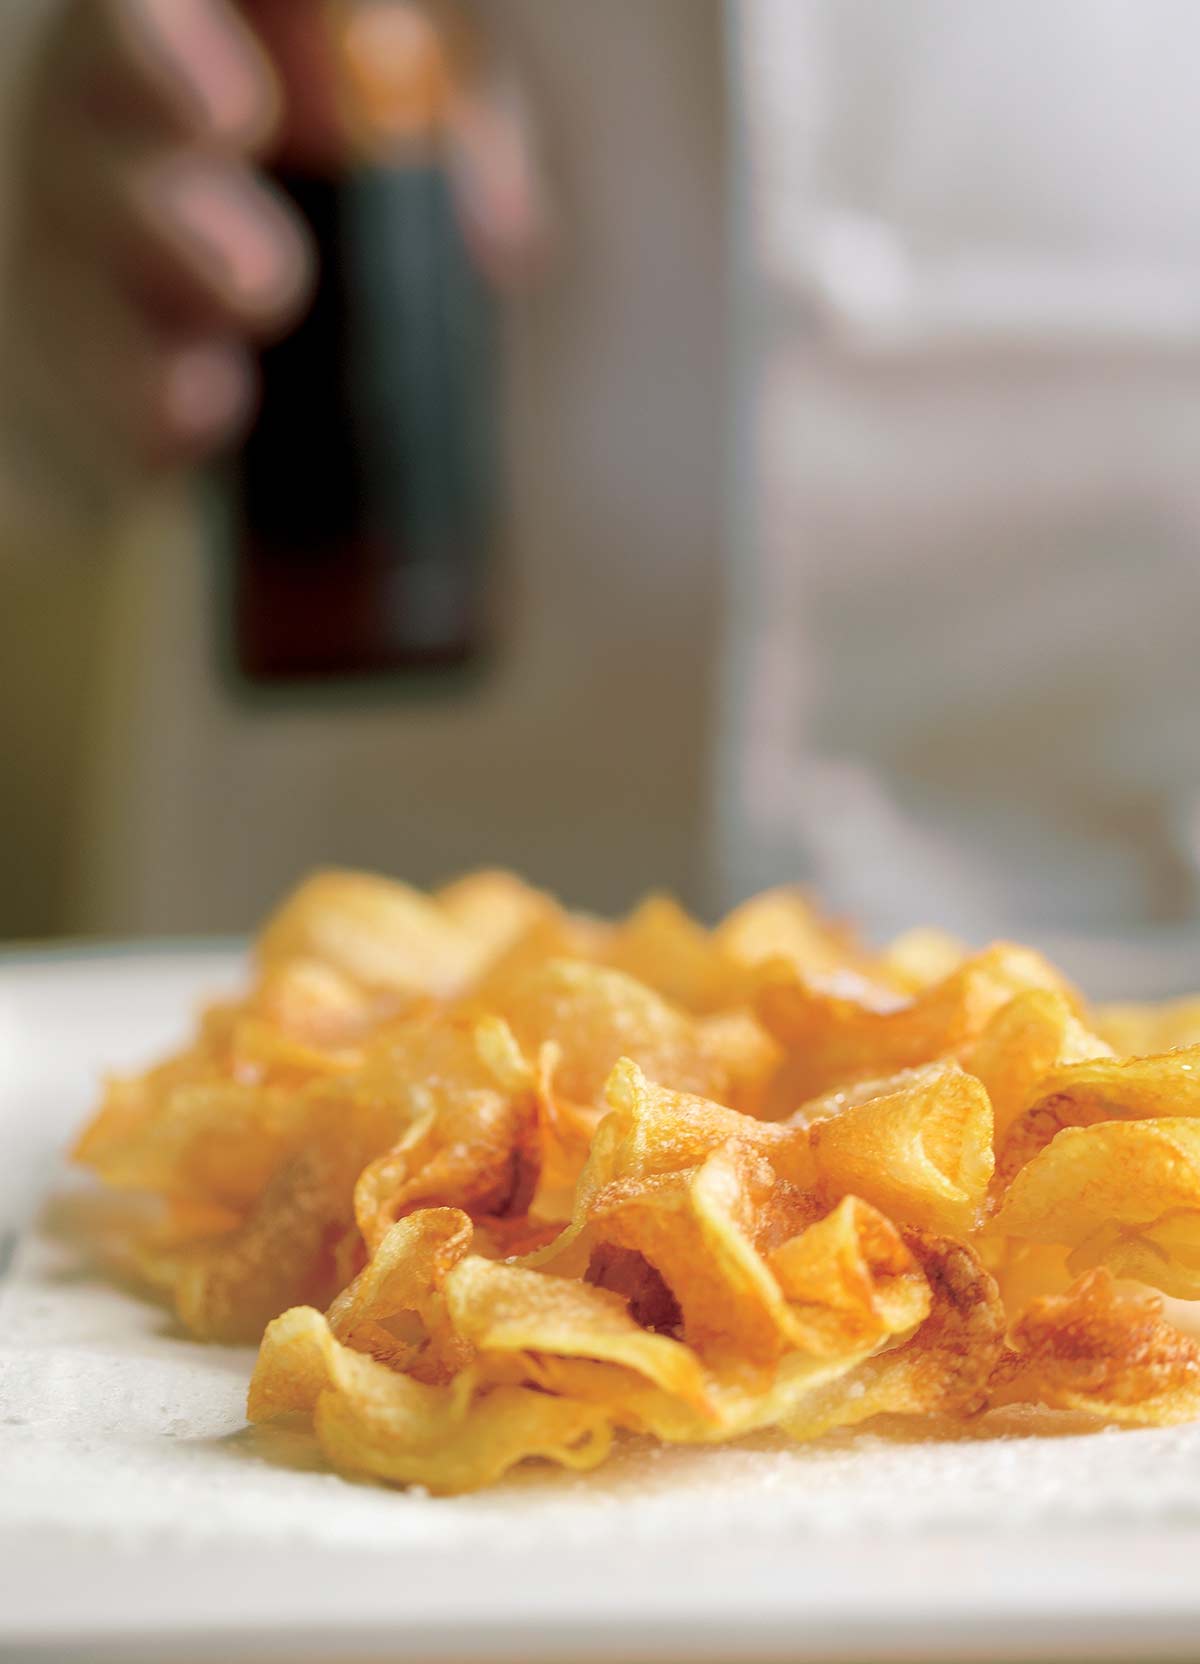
pixel 520 1180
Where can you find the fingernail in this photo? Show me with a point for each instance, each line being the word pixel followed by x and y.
pixel 207 392
pixel 216 62
pixel 256 255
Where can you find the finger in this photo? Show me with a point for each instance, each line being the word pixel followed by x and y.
pixel 189 69
pixel 499 181
pixel 119 396
pixel 197 239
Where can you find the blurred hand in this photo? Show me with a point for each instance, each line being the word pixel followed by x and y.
pixel 148 254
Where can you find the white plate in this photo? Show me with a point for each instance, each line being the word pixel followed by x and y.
pixel 140 1519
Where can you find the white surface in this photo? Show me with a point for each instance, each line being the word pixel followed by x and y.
pixel 139 1518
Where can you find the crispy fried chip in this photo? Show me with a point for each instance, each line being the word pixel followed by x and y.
pixel 737 1405
pixel 921 957
pixel 1101 1089
pixel 1032 1034
pixel 403 1280
pixel 216 1143
pixel 922 1151
pixel 496 910
pixel 1105 1352
pixel 506 1308
pixel 840 1030
pixel 464 1094
pixel 784 925
pixel 370 1419
pixel 663 947
pixel 699 1191
pixel 595 1015
pixel 288 1249
pixel 1150 1028
pixel 378 933
pixel 555 1179
pixel 944 1369
pixel 1124 1194
pixel 850 1281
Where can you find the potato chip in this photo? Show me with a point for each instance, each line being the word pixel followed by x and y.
pixel 1025 1271
pixel 1101 1089
pixel 661 946
pixel 1130 1029
pixel 464 1095
pixel 378 933
pixel 595 1015
pixel 744 1056
pixel 229 1288
pixel 404 1280
pixel 738 1405
pixel 556 1179
pixel 559 935
pixel 507 1308
pixel 945 1368
pixel 652 1130
pixel 697 1227
pixel 1125 1194
pixel 370 1419
pixel 921 957
pixel 1032 1034
pixel 564 1140
pixel 317 1007
pixel 850 1281
pixel 841 1030
pixel 784 925
pixel 1104 1352
pixel 496 910
pixel 921 1152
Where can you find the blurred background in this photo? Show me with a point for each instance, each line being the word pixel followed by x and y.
pixel 714 445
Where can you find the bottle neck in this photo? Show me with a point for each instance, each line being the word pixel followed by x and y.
pixel 364 81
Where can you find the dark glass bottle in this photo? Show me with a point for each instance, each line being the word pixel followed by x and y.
pixel 362 493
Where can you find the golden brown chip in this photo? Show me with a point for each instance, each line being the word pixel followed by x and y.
pixel 595 1015
pixel 404 1279
pixel 1032 1034
pixel 744 1056
pixel 318 1007
pixel 850 1281
pixel 738 1404
pixel 464 1095
pixel 370 1419
pixel 496 910
pixel 379 933
pixel 554 1178
pixel 1130 1029
pixel 563 1143
pixel 700 1192
pixel 507 1308
pixel 783 924
pixel 290 1248
pixel 1125 1194
pixel 652 1130
pixel 662 947
pixel 921 957
pixel 559 935
pixel 1102 1089
pixel 217 1143
pixel 922 1152
pixel 839 1031
pixel 697 1227
pixel 1105 1352
pixel 946 1368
